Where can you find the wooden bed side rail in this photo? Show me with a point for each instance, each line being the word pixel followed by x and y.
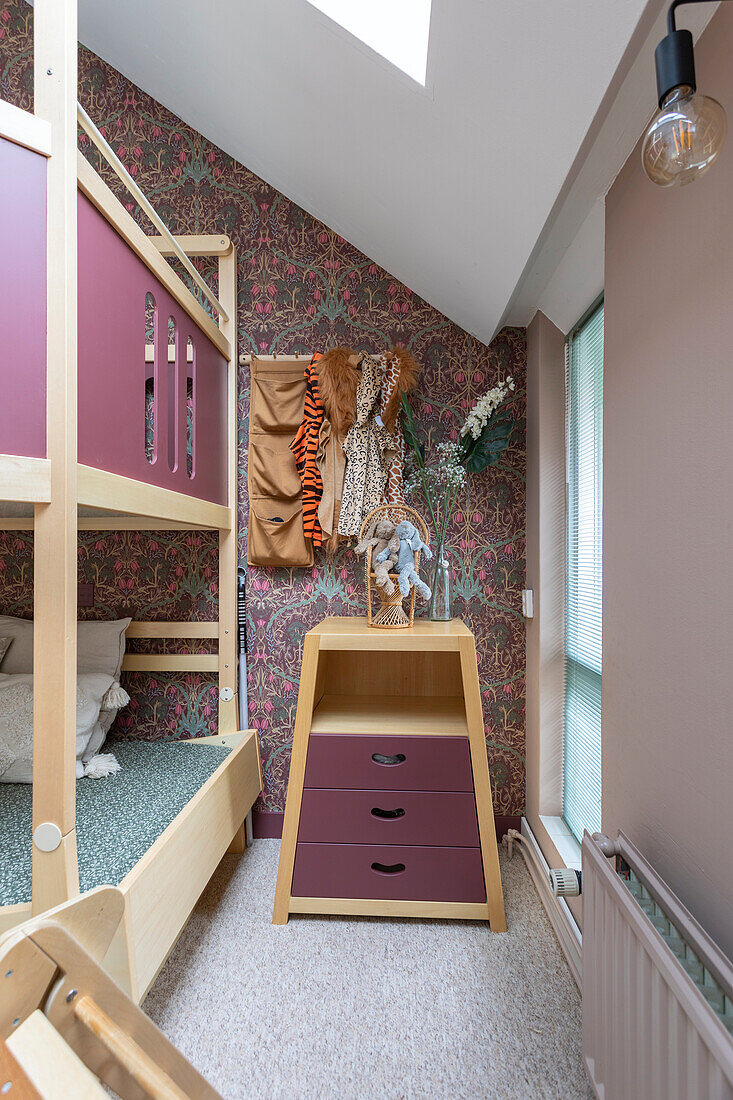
pixel 25 129
pixel 105 523
pixel 114 492
pixel 143 629
pixel 163 887
pixel 172 662
pixel 25 480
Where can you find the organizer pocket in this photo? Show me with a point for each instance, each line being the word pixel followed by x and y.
pixel 272 469
pixel 276 534
pixel 276 404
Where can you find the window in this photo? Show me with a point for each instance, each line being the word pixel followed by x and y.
pixel 397 29
pixel 173 424
pixel 582 741
pixel 190 407
pixel 151 314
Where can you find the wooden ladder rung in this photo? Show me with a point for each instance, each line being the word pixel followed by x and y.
pixel 154 1081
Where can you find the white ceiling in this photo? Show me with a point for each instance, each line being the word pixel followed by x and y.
pixel 449 187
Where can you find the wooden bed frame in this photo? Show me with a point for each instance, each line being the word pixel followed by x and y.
pixel 163 887
pixel 175 870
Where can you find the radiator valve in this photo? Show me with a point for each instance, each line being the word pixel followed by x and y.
pixel 566 882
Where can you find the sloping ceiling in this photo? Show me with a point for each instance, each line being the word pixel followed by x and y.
pixel 448 186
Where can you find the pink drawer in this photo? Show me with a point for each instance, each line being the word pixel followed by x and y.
pixel 389 762
pixel 391 872
pixel 389 817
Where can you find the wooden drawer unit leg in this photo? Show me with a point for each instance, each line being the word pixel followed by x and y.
pixel 482 784
pixel 301 735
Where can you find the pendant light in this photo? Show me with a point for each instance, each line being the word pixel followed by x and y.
pixel 689 129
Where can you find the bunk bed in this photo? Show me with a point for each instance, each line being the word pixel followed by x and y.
pixel 81 377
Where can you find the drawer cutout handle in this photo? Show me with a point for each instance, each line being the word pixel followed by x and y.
pixel 388 815
pixel 388 761
pixel 388 868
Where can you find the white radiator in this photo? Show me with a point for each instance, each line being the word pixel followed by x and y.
pixel 657 992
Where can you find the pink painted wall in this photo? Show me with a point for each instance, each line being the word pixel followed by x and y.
pixel 113 283
pixel 668 517
pixel 22 295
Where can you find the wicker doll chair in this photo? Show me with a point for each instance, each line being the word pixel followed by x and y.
pixel 391 614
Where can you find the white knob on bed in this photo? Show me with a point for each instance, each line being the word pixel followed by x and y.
pixel 47 836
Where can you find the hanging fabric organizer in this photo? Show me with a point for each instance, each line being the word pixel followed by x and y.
pixel 277 399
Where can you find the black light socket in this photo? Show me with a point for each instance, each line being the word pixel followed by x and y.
pixel 674 58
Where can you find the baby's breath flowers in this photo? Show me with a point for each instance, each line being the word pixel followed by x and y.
pixel 441 477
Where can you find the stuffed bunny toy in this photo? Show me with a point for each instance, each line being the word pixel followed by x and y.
pixel 381 536
pixel 382 569
pixel 410 543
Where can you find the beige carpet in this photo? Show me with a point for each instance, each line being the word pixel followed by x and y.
pixel 328 1007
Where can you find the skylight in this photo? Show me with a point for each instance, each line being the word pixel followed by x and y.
pixel 397 29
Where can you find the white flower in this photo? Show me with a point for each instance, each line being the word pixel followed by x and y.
pixel 485 408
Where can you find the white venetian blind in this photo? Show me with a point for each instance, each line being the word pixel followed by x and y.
pixel 582 748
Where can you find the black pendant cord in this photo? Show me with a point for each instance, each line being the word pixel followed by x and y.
pixel 671 21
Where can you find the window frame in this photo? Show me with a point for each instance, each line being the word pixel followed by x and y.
pixel 589 707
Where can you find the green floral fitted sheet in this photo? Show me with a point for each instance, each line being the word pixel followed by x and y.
pixel 117 819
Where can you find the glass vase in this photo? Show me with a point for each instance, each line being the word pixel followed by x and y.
pixel 440 599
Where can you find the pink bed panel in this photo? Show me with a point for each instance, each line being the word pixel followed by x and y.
pixel 22 301
pixel 114 376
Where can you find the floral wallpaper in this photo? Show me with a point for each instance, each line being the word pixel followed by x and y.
pixel 146 575
pixel 301 287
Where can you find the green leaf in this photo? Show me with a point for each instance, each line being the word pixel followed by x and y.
pixel 410 430
pixel 490 445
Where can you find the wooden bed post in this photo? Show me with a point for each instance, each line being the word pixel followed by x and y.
pixel 228 551
pixel 55 871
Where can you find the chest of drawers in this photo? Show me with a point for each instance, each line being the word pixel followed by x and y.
pixel 388 809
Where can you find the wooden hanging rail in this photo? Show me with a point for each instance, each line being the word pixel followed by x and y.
pixel 287 357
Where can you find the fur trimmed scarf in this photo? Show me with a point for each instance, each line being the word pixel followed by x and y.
pixel 338 378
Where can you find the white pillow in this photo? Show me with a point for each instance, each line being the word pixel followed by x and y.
pixel 16 722
pixel 5 644
pixel 100 645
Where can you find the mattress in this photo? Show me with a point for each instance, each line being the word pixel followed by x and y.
pixel 117 819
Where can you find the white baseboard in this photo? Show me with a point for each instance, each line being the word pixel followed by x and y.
pixel 561 919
